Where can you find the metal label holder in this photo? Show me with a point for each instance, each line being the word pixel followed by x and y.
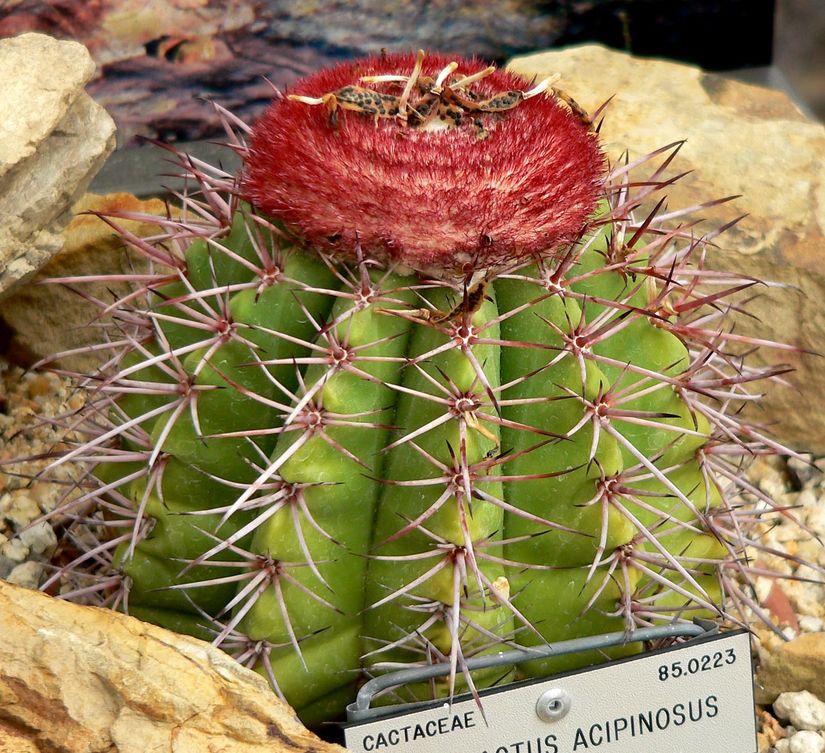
pixel 362 711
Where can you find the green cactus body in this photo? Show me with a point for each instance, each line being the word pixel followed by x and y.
pixel 422 491
pixel 334 463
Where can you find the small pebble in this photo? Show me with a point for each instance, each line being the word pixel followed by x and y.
pixel 6 566
pixel 782 746
pixel 816 519
pixel 804 710
pixel 40 384
pixel 26 575
pixel 14 549
pixel 809 624
pixel 805 472
pixel 806 742
pixel 20 509
pixel 39 538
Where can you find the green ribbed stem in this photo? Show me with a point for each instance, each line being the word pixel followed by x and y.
pixel 404 493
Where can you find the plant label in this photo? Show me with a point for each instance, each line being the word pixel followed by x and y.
pixel 696 696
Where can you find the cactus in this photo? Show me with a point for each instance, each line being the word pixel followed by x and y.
pixel 428 379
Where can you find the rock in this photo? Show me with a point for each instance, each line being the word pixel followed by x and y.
pixel 48 319
pixel 19 511
pixel 39 538
pixel 6 566
pixel 76 678
pixel 793 666
pixel 26 575
pixel 803 470
pixel 14 550
pixel 13 742
pixel 42 79
pixel 122 29
pixel 806 742
pixel 34 543
pixel 770 730
pixel 811 624
pixel 53 139
pixel 803 709
pixel 741 139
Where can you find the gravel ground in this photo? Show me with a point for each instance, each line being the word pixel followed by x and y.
pixel 29 399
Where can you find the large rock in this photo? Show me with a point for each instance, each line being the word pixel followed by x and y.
pixel 82 679
pixel 741 139
pixel 49 319
pixel 53 140
pixel 794 666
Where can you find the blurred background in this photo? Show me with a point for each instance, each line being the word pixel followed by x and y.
pixel 160 61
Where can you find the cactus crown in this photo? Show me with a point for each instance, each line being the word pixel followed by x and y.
pixel 407 393
pixel 451 167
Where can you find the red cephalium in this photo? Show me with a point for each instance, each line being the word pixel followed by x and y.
pixel 497 187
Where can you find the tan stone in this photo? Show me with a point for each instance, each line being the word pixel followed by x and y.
pixel 793 666
pixel 76 678
pixel 42 77
pixel 53 140
pixel 741 139
pixel 13 741
pixel 50 319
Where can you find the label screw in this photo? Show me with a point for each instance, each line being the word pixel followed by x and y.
pixel 553 705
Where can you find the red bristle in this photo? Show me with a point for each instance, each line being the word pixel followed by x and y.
pixel 428 199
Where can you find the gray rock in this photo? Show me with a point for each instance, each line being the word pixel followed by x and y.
pixel 804 710
pixel 6 566
pixel 14 551
pixel 741 139
pixel 39 538
pixel 53 140
pixel 27 575
pixel 806 742
pixel 19 509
